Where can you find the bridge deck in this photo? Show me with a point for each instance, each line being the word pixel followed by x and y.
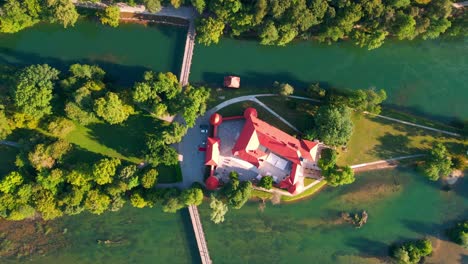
pixel 188 53
pixel 199 234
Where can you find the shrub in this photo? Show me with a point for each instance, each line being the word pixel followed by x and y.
pixel 266 182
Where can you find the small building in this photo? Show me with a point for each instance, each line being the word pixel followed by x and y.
pixel 232 82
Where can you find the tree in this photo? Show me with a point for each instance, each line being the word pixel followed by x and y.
pixel 110 16
pixel 269 34
pixel 60 127
pixel 459 233
pixel 14 16
pixel 157 152
pixel 6 125
pixel 404 26
pixel 46 156
pixel 371 40
pixel 339 176
pixel 176 3
pixel 192 196
pixel 174 133
pixel 104 170
pixel 285 89
pixel 333 125
pixel 33 91
pixel 10 182
pixel 437 163
pixel 149 179
pixel 266 182
pixel 199 5
pixel 172 205
pixel 367 100
pixel 46 204
pixel 209 31
pixel 218 210
pixel 112 109
pixel 328 158
pixel 62 12
pixel 138 201
pixel 411 252
pixel 97 202
pixel 240 195
pixel 153 6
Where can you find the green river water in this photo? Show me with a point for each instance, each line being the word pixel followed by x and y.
pixel 426 77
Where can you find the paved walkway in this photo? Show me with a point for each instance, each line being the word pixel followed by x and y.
pixel 382 164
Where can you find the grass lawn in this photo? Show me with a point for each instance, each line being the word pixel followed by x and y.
pixel 125 141
pixel 219 95
pixel 307 193
pixel 376 138
pixel 238 109
pixel 418 120
pixel 298 112
pixel 261 194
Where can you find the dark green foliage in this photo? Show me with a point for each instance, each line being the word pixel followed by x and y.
pixel 367 100
pixel 412 251
pixel 110 16
pixel 209 31
pixel 16 15
pixel 159 153
pixel 149 179
pixel 328 158
pixel 333 125
pixel 337 176
pixel 112 109
pixel 266 182
pixel 459 233
pixel 237 193
pixel 437 163
pixel 33 90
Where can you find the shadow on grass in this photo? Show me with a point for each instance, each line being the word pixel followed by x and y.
pixel 128 138
pixel 369 247
pixel 393 145
pixel 190 235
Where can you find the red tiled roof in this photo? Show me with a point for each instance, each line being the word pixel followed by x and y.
pixel 212 183
pixel 212 151
pixel 258 133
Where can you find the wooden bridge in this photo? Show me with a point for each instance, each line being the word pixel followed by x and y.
pixel 188 53
pixel 199 234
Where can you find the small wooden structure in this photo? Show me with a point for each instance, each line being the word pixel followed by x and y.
pixel 232 82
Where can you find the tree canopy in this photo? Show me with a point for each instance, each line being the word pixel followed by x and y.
pixel 33 91
pixel 112 109
pixel 333 125
pixel 437 163
pixel 110 16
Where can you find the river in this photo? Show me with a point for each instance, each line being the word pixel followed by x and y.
pixel 426 77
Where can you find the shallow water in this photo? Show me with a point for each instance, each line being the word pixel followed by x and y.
pixel 401 205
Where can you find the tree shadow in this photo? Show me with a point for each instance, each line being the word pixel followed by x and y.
pixel 190 236
pixel 128 138
pixel 392 146
pixel 369 247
